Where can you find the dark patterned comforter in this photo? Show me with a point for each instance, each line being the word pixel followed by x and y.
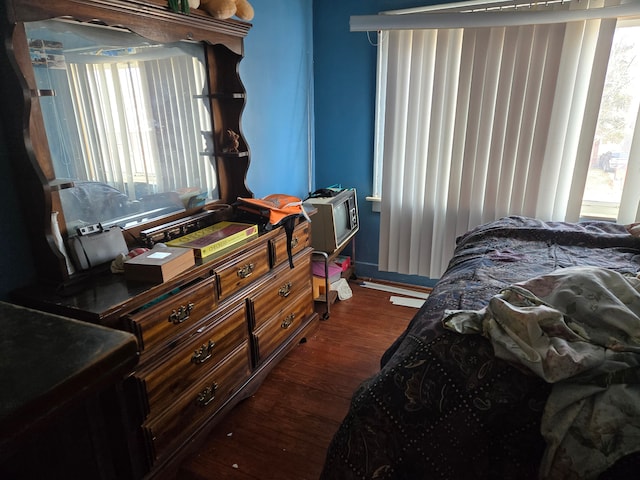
pixel 443 406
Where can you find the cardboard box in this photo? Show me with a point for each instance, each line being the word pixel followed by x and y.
pixel 343 261
pixel 158 265
pixel 215 238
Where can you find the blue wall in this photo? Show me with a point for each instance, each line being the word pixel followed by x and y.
pixel 277 72
pixel 345 89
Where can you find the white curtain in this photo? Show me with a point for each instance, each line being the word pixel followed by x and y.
pixel 480 123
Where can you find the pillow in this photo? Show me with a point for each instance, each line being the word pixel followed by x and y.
pixel 633 229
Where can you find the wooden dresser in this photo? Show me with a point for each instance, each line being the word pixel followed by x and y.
pixel 206 338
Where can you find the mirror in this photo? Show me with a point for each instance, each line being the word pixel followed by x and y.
pixel 127 122
pixel 146 159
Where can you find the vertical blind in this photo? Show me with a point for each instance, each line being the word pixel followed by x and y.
pixel 479 123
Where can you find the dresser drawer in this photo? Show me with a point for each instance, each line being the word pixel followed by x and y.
pixel 189 412
pixel 300 239
pixel 218 336
pixel 280 290
pixel 275 331
pixel 172 316
pixel 240 271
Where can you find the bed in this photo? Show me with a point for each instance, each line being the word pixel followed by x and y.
pixel 445 406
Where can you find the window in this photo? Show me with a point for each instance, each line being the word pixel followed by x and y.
pixel 616 125
pixel 482 116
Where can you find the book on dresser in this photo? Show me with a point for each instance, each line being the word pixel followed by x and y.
pixel 158 265
pixel 216 238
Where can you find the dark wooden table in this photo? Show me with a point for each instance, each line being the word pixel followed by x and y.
pixel 62 407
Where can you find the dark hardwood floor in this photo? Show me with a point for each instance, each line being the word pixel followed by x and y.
pixel 283 431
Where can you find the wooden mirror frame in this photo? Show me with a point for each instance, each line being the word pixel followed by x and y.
pixel 25 135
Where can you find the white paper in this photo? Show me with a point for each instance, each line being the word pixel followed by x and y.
pixel 407 302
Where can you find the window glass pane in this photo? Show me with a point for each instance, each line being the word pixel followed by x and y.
pixel 616 123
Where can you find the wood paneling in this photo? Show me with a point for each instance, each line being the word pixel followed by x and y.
pixel 282 432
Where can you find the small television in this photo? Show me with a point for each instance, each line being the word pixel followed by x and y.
pixel 336 220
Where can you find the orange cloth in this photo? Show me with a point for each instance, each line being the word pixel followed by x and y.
pixel 276 206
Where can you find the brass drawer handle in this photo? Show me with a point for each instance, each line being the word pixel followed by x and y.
pixel 286 323
pixel 294 242
pixel 181 314
pixel 206 396
pixel 285 289
pixel 204 353
pixel 245 271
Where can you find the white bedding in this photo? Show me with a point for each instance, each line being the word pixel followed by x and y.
pixel 578 328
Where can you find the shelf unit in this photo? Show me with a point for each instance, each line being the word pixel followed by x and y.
pixel 330 296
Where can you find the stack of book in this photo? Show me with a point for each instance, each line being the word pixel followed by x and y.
pixel 214 239
pixel 319 277
pixel 335 271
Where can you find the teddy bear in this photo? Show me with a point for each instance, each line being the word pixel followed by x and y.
pixel 223 9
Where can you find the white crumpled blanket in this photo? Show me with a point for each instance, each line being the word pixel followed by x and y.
pixel 578 328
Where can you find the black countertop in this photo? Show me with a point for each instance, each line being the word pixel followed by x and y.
pixel 47 362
